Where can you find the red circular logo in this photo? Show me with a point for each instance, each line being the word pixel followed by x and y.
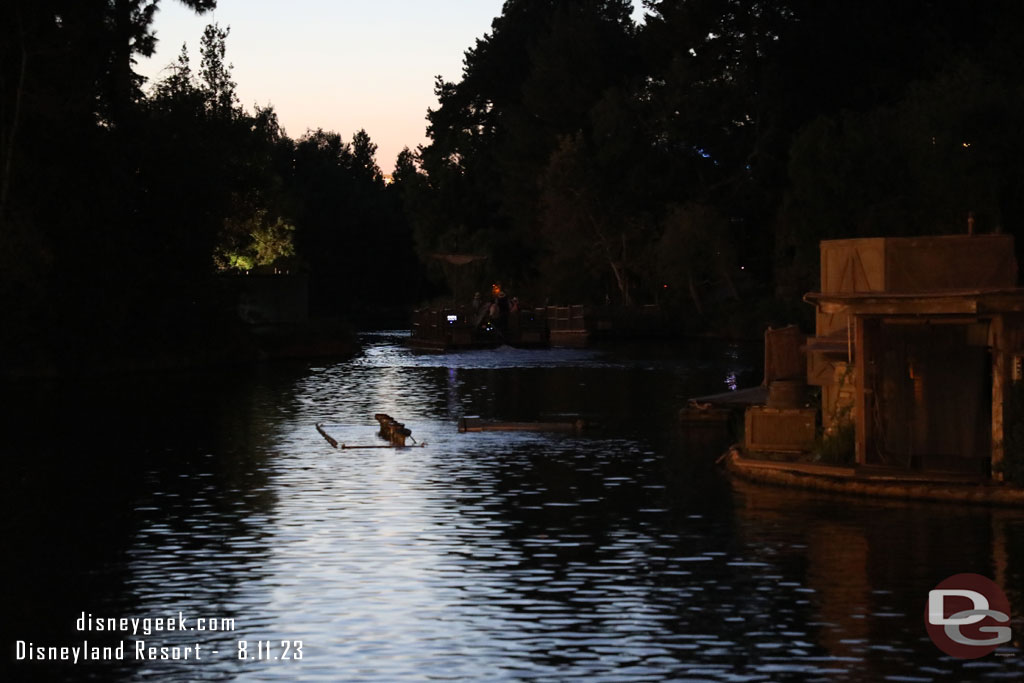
pixel 967 616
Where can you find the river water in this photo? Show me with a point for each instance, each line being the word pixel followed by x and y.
pixel 620 554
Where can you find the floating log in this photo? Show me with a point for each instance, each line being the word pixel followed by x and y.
pixel 395 432
pixel 392 430
pixel 331 440
pixel 475 424
pixel 379 445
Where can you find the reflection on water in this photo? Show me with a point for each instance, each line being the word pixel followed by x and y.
pixel 615 555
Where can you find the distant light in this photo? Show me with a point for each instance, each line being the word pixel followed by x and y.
pixel 743 267
pixel 664 286
pixel 452 319
pixel 966 145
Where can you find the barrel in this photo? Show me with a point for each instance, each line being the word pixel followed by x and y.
pixel 786 393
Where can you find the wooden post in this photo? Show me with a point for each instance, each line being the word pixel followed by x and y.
pixel 1000 382
pixel 849 340
pixel 863 398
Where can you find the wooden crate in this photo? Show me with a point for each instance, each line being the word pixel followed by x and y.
pixel 787 430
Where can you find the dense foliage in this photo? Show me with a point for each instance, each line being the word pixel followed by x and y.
pixel 700 156
pixel 694 159
pixel 123 204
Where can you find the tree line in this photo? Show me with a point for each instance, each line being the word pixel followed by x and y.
pixel 694 159
pixel 123 203
pixel 698 158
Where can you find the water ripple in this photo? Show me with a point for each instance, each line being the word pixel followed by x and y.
pixel 610 556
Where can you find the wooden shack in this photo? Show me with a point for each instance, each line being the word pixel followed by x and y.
pixel 915 346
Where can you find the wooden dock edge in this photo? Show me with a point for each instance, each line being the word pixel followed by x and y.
pixel 843 480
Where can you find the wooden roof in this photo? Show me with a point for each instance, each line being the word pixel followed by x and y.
pixel 947 302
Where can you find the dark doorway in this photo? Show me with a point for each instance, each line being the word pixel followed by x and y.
pixel 932 396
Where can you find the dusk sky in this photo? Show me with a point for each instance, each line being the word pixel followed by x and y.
pixel 340 65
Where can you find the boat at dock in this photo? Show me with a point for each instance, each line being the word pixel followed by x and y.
pixel 469 327
pixel 464 327
pixel 916 355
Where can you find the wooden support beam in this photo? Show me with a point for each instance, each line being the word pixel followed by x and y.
pixel 1000 384
pixel 863 396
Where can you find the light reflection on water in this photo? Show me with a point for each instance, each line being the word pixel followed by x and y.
pixel 615 555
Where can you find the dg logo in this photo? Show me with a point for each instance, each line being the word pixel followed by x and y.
pixel 964 614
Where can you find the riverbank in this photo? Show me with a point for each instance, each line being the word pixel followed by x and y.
pixel 874 482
